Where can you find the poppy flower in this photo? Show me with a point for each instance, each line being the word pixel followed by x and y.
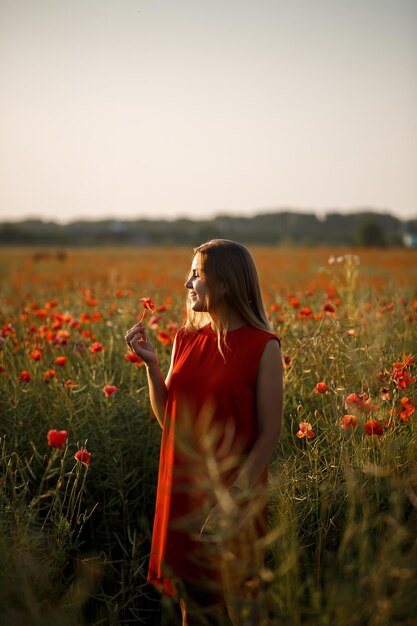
pixel 329 308
pixel 293 301
pixel 8 329
pixel 372 427
pixel 408 360
pixel 401 373
pixel 96 347
pixel 61 360
pixel 163 338
pixel 306 430
pixel 305 313
pixel 147 304
pixel 35 355
pixel 48 375
pixel 348 421
pixel 109 390
pixel 83 456
pixel 70 384
pixel 154 321
pixel 90 300
pixel 407 409
pixel 133 358
pixel 61 338
pixel 362 403
pixel 385 394
pixel 57 438
pixel 24 376
pixel 287 360
pixel 321 388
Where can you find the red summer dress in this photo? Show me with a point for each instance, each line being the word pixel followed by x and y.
pixel 210 415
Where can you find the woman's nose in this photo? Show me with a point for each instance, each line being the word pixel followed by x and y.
pixel 188 284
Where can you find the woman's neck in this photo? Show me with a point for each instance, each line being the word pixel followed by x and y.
pixel 232 319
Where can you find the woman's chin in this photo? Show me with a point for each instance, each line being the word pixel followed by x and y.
pixel 197 307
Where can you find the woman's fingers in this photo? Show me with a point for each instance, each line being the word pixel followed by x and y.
pixel 138 329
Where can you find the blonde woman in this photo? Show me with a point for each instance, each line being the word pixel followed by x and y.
pixel 220 408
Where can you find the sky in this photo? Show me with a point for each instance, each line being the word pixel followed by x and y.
pixel 194 108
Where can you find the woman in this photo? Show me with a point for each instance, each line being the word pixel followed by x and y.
pixel 220 408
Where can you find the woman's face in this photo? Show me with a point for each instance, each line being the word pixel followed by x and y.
pixel 198 288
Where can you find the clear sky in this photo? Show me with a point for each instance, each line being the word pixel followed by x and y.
pixel 132 108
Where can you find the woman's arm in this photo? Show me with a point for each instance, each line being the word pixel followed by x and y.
pixel 140 344
pixel 269 399
pixel 158 387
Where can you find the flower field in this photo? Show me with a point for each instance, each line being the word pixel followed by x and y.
pixel 79 446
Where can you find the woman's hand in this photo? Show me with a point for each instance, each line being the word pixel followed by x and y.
pixel 139 343
pixel 218 520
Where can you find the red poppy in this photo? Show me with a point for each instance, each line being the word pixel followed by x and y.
pixel 321 388
pixel 401 372
pixel 147 304
pixel 407 409
pixel 91 301
pixel 408 360
pixel 294 302
pixel 164 338
pixel 48 375
pixel 62 337
pixel 35 355
pixel 24 376
pixel 57 438
pixel 362 403
pixel 133 358
pixel 348 421
pixel 372 427
pixel 329 308
pixel 8 330
pixel 305 313
pixel 88 334
pixel 83 456
pixel 287 360
pixel 109 390
pixel 306 430
pixel 70 384
pixel 61 360
pixel 96 347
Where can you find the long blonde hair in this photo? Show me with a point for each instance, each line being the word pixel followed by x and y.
pixel 229 271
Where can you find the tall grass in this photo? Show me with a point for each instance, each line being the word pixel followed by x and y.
pixel 75 538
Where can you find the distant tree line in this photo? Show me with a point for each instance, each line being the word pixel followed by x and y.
pixel 271 229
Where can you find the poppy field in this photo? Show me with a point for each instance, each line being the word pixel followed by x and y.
pixel 79 445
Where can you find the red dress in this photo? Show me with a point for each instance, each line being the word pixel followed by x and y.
pixel 210 413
